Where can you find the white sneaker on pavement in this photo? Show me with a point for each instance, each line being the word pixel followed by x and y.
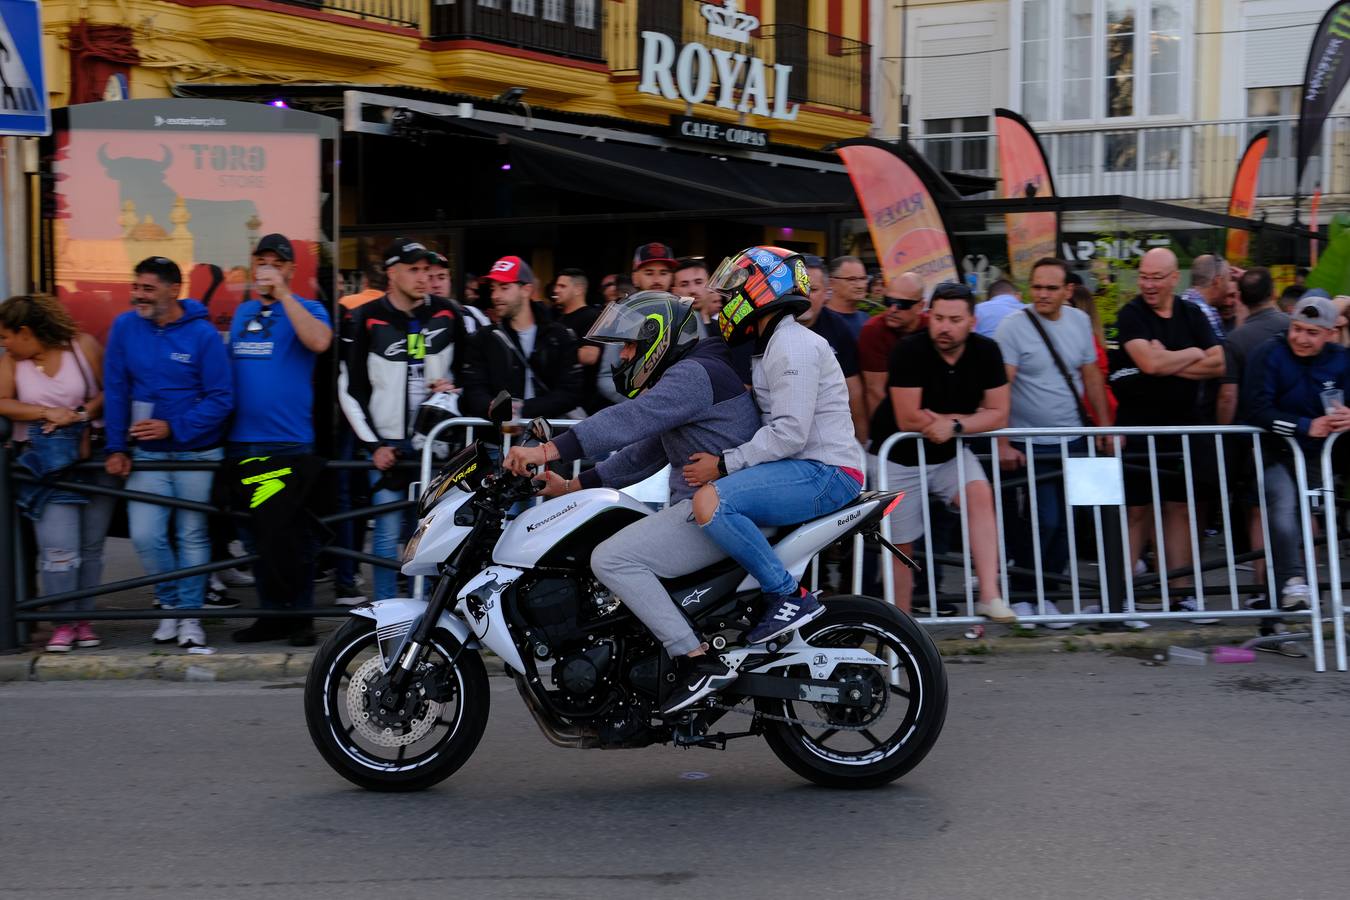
pixel 216 584
pixel 1191 605
pixel 1023 609
pixel 1295 595
pixel 167 632
pixel 1053 610
pixel 236 577
pixel 190 633
pixel 1128 624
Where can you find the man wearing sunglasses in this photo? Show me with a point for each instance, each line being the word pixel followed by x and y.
pixel 903 317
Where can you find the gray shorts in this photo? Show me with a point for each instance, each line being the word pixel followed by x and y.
pixel 943 483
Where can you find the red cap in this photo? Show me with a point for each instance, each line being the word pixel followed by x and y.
pixel 510 270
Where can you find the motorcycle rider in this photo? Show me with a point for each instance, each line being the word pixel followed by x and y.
pixel 803 462
pixel 683 396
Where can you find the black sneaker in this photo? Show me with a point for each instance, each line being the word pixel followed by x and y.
pixel 218 600
pixel 695 678
pixel 784 613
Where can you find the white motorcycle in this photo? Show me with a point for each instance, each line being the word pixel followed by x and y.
pixel 397 698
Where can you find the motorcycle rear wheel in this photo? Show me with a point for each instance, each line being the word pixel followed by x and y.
pixel 913 691
pixel 432 742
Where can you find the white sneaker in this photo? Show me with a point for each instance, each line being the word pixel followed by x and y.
pixel 1024 609
pixel 167 632
pixel 1128 624
pixel 1295 595
pixel 1053 610
pixel 236 577
pixel 1191 605
pixel 216 584
pixel 190 633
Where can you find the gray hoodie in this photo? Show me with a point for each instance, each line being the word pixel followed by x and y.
pixel 803 401
pixel 699 404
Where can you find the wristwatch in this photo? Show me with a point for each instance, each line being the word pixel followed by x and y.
pixel 82 413
pixel 957 427
pixel 721 464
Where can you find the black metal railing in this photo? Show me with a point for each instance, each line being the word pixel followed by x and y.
pixel 570 28
pixel 393 12
pixel 827 69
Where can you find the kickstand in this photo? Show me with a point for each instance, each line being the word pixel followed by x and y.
pixel 896 551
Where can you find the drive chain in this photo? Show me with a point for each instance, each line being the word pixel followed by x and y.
pixel 788 720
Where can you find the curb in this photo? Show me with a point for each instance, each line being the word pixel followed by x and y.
pixel 295 664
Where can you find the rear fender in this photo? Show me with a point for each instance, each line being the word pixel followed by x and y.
pixel 822 661
pixel 395 619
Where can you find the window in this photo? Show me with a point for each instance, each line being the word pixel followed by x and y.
pixel 1277 168
pixel 1086 60
pixel 583 15
pixel 553 11
pixel 523 7
pixel 957 154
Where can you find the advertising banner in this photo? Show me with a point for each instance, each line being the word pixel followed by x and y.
pixel 1243 199
pixel 906 225
pixel 1324 76
pixel 1023 173
pixel 196 181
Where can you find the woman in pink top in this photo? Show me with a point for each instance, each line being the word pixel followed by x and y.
pixel 51 377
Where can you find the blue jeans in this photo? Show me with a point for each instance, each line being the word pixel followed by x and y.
pixel 149 524
pixel 390 528
pixel 782 492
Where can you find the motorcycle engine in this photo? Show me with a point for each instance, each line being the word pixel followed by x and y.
pixel 553 607
pixel 581 673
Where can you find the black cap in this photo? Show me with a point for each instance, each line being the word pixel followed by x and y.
pixel 654 252
pixel 276 243
pixel 439 259
pixel 407 251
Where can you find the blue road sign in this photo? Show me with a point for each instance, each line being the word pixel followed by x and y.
pixel 23 90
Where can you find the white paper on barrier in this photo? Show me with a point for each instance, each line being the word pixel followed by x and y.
pixel 1094 481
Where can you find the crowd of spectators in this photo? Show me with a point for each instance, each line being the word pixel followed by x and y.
pixel 167 390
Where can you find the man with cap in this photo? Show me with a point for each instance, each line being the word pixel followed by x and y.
pixel 653 267
pixel 438 284
pixel 1295 385
pixel 525 353
pixel 274 342
pixel 397 351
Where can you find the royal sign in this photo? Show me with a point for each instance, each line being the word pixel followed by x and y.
pixel 687 73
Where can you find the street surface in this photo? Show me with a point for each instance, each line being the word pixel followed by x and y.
pixel 1067 776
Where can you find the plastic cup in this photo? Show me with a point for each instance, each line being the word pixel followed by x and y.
pixel 1332 400
pixel 1233 655
pixel 1184 656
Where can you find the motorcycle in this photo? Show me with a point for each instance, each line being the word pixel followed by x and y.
pixel 397 698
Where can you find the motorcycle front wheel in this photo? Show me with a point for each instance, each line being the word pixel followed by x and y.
pixel 848 747
pixel 385 743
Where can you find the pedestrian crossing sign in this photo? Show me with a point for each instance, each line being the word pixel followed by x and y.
pixel 24 107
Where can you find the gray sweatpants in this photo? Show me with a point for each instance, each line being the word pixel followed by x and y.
pixel 665 545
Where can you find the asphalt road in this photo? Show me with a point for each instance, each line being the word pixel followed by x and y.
pixel 1073 776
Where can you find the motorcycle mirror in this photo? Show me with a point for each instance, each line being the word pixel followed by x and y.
pixel 541 430
pixel 499 410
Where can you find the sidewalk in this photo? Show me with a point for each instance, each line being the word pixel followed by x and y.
pixel 128 652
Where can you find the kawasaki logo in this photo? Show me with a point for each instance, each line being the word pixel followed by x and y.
pixel 544 521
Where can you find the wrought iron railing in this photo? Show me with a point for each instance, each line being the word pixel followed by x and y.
pixel 570 28
pixel 393 12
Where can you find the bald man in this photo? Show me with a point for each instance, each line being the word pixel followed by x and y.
pixel 1170 350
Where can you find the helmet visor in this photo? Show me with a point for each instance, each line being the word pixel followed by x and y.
pixel 736 270
pixel 617 323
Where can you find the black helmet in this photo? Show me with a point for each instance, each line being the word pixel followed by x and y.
pixel 663 326
pixel 756 282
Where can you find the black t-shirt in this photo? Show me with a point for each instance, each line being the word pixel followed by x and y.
pixel 947 388
pixel 839 334
pixel 1158 399
pixel 580 321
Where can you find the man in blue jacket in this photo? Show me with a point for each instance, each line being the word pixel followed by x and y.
pixel 168 392
pixel 1295 386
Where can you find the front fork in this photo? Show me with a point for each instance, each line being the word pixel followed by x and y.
pixel 414 649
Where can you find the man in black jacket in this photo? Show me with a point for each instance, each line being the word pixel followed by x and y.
pixel 525 353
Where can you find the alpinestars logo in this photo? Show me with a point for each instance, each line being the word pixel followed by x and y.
pixel 268 484
pixel 787 612
pixel 695 597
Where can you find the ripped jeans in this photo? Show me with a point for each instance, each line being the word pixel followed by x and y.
pixel 70 545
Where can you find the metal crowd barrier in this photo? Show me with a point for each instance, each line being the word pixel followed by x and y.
pixel 1116 590
pixel 1331 511
pixel 17 606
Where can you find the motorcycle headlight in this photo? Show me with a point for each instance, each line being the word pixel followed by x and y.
pixel 410 549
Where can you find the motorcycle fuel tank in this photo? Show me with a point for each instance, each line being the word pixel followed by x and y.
pixel 583 518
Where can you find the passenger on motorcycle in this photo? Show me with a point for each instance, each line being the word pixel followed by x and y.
pixel 683 397
pixel 803 462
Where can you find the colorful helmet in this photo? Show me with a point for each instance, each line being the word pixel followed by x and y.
pixel 663 326
pixel 756 283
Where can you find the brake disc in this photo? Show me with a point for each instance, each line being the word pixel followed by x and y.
pixel 361 699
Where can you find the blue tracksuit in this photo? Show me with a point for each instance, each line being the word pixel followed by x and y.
pixel 183 368
pixel 1282 392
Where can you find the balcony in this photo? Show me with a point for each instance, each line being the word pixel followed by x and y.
pixel 407 13
pixel 1193 161
pixel 569 28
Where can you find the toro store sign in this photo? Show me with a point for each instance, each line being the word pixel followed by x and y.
pixel 688 74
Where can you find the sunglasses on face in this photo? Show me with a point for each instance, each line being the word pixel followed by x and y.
pixel 900 303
